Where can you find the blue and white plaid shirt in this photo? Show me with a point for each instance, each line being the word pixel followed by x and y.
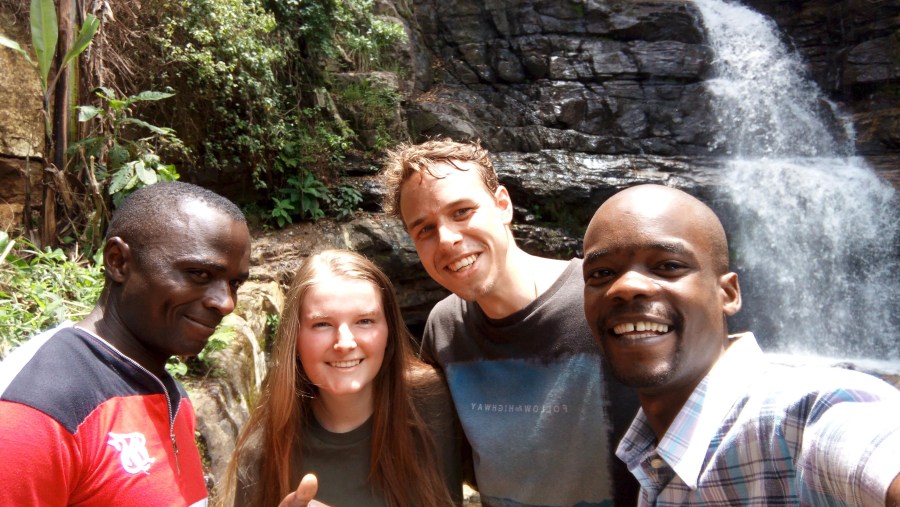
pixel 753 433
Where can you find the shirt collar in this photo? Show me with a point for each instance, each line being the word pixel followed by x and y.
pixel 686 442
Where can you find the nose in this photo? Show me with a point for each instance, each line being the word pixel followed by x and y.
pixel 633 284
pixel 345 339
pixel 220 296
pixel 448 234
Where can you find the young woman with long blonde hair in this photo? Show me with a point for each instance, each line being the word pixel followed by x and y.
pixel 346 399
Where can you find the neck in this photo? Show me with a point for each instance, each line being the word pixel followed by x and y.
pixel 105 323
pixel 340 414
pixel 525 278
pixel 661 410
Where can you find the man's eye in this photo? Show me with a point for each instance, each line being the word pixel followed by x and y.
pixel 199 274
pixel 599 275
pixel 462 213
pixel 236 284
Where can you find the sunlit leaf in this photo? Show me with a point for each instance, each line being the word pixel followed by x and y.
pixel 88 29
pixel 157 130
pixel 87 113
pixel 44 34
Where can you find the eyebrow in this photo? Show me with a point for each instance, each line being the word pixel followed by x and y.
pixel 212 266
pixel 316 316
pixel 672 247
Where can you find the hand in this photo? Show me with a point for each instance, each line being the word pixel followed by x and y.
pixel 303 497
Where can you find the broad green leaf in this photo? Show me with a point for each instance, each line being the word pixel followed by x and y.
pixel 158 130
pixel 117 155
pixel 86 113
pixel 176 367
pixel 146 175
pixel 105 92
pixel 168 173
pixel 116 105
pixel 152 95
pixel 88 29
pixel 11 44
pixel 120 179
pixel 44 34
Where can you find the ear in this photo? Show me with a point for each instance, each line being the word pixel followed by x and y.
pixel 731 293
pixel 117 259
pixel 501 197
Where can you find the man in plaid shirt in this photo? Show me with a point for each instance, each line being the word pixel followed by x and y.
pixel 718 424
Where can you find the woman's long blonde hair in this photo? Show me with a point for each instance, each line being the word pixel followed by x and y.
pixel 404 465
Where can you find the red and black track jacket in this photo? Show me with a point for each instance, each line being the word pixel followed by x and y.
pixel 82 424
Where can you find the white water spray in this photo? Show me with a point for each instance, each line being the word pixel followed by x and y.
pixel 816 229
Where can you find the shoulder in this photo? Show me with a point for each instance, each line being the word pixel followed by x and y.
pixel 93 374
pixel 451 307
pixel 812 393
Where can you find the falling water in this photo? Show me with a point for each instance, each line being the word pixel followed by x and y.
pixel 815 234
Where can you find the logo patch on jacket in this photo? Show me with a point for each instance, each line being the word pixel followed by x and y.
pixel 132 449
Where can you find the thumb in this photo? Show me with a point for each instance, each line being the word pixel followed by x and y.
pixel 308 487
pixel 303 496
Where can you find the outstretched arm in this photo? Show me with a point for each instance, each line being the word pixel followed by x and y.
pixel 303 496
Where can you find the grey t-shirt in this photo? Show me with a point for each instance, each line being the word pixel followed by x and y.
pixel 531 398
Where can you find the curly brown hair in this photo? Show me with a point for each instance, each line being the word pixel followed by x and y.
pixel 407 159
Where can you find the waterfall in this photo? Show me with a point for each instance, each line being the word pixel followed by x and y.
pixel 814 235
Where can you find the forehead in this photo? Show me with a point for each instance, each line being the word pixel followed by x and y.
pixel 195 229
pixel 444 183
pixel 621 229
pixel 339 292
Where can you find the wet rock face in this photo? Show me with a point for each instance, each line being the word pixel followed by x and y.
pixel 619 77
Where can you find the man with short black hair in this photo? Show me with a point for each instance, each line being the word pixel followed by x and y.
pixel 88 413
pixel 720 425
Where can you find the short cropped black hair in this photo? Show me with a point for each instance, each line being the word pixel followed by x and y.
pixel 146 212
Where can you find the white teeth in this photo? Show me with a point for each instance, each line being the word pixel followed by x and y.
pixel 346 364
pixel 629 327
pixel 465 261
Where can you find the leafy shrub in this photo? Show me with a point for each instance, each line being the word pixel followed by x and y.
pixel 42 288
pixel 253 83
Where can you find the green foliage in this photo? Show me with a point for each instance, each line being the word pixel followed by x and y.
pixel 344 30
pixel 345 201
pixel 304 196
pixel 119 155
pixel 40 289
pixel 201 365
pixel 257 73
pixel 44 36
pixel 372 106
pixel 223 57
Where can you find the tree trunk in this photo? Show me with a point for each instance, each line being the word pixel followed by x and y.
pixel 61 107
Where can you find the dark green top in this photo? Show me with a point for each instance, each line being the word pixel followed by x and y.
pixel 340 461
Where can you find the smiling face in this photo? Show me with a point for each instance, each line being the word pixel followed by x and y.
pixel 342 337
pixel 460 229
pixel 656 292
pixel 173 293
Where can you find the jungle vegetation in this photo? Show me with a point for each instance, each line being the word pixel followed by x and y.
pixel 270 102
